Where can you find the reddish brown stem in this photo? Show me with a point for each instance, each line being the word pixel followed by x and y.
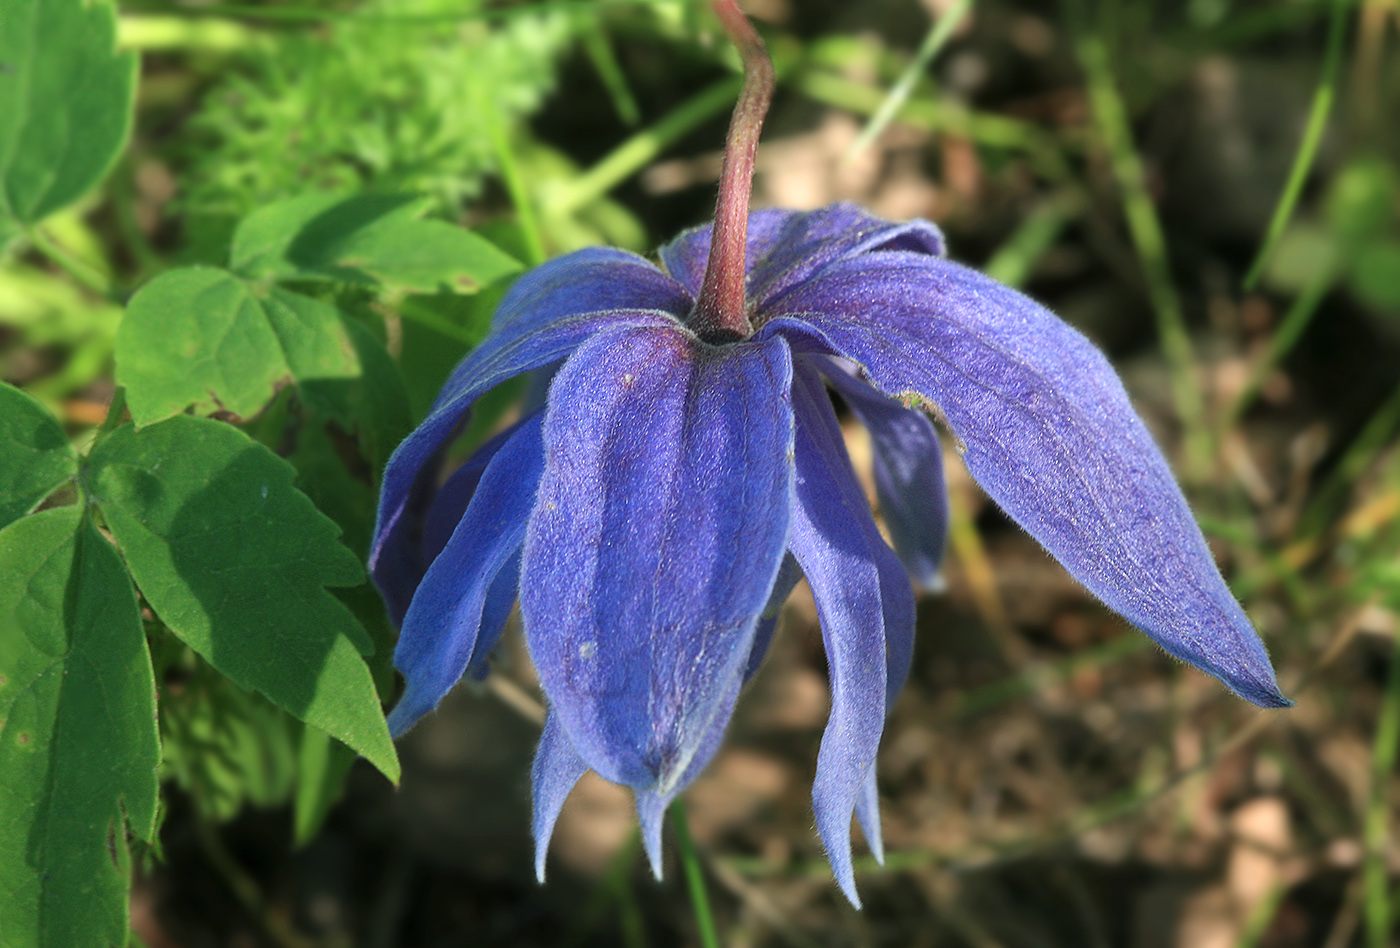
pixel 722 307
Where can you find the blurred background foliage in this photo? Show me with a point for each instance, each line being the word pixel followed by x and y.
pixel 1208 189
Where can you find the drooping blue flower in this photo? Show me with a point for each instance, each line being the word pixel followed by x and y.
pixel 656 508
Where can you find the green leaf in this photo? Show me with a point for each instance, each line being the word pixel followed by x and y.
pixel 1361 198
pixel 427 356
pixel 322 764
pixel 234 560
pixel 374 403
pixel 65 103
pixel 235 344
pixel 323 475
pixel 225 746
pixel 1375 275
pixel 368 239
pixel 196 337
pixel 35 456
pixel 78 744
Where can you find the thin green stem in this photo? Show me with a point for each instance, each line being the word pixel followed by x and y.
pixel 514 182
pixel 237 11
pixel 1257 924
pixel 122 187
pixel 149 32
pixel 1146 231
pixel 1016 257
pixel 82 272
pixel 1312 138
pixel 995 131
pixel 1376 905
pixel 1328 497
pixel 934 41
pixel 644 147
pixel 115 410
pixel 1290 330
pixel 616 888
pixel 694 878
pixel 600 53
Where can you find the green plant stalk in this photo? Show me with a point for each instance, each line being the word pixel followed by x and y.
pixel 1250 25
pixel 1307 148
pixel 1257 924
pixel 514 182
pixel 694 878
pixel 1017 256
pixel 238 11
pixel 82 272
pixel 1150 243
pixel 934 41
pixel 150 32
pixel 993 131
pixel 1321 512
pixel 615 887
pixel 123 192
pixel 600 53
pixel 1290 330
pixel 1376 905
pixel 643 148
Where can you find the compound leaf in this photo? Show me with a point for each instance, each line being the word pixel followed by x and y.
pixel 78 746
pixel 66 103
pixel 35 456
pixel 235 561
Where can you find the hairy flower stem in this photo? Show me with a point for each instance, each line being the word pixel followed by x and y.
pixel 722 308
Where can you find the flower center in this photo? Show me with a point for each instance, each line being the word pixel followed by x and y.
pixel 722 310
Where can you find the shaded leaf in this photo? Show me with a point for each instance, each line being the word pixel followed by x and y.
pixel 374 404
pixel 428 356
pixel 322 764
pixel 369 239
pixel 234 560
pixel 78 746
pixel 1360 200
pixel 35 456
pixel 1375 275
pixel 225 746
pixel 66 101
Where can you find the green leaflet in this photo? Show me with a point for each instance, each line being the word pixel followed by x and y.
pixel 367 239
pixel 197 337
pixel 227 747
pixel 1375 275
pixel 65 103
pixel 235 343
pixel 234 560
pixel 78 744
pixel 35 456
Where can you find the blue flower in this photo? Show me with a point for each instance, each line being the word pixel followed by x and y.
pixel 656 506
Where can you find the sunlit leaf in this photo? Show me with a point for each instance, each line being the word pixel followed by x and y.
pixel 235 561
pixel 235 343
pixel 65 102
pixel 35 456
pixel 369 239
pixel 78 744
